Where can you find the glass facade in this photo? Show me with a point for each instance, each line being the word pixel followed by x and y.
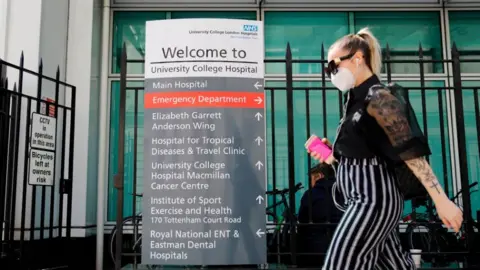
pixel 129 29
pixel 463 32
pixel 404 32
pixel 307 32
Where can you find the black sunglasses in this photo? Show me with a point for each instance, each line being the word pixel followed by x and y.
pixel 332 66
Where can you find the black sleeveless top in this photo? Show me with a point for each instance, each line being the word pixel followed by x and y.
pixel 360 135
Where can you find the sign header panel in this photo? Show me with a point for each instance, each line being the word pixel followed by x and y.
pixel 219 49
pixel 204 143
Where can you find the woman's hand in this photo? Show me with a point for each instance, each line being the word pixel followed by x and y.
pixel 317 156
pixel 449 213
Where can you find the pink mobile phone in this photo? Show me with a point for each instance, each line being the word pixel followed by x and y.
pixel 315 144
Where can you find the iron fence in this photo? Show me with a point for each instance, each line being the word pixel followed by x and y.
pixel 37 130
pixel 444 126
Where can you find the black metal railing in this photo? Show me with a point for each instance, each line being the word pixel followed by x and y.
pixel 447 119
pixel 35 216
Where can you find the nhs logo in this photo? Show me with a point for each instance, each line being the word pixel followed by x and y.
pixel 250 28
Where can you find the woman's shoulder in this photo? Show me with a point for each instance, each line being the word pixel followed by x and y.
pixel 379 91
pixel 383 100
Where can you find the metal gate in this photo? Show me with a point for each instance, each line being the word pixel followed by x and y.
pixel 37 127
pixel 449 97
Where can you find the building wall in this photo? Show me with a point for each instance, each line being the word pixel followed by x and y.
pixel 84 44
pixel 22 33
pixel 53 52
pixel 66 35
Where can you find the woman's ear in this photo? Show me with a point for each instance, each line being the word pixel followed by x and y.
pixel 358 58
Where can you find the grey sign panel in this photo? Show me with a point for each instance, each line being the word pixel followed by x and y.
pixel 204 145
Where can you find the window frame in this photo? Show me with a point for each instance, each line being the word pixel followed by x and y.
pixel 448 38
pixel 168 11
pixel 465 77
pixel 268 9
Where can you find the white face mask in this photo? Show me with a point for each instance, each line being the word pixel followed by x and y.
pixel 344 79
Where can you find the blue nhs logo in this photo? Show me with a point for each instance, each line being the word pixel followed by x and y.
pixel 250 28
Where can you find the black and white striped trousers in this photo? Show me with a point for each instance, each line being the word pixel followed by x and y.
pixel 366 237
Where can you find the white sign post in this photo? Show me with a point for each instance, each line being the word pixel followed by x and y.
pixel 42 150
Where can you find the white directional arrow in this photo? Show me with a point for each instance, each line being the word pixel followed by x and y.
pixel 258 140
pixel 259 165
pixel 258 116
pixel 259 199
pixel 258 100
pixel 257 85
pixel 260 233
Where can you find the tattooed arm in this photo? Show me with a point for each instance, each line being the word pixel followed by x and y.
pixel 391 115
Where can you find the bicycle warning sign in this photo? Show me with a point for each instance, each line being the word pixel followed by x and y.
pixel 42 150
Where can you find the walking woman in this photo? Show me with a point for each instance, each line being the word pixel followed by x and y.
pixel 373 118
